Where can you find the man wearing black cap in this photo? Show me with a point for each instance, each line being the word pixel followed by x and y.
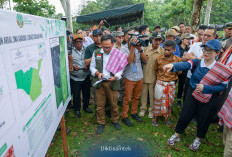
pixel 228 32
pixel 151 52
pixel 97 33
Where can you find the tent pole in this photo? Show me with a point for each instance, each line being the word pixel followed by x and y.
pixel 143 19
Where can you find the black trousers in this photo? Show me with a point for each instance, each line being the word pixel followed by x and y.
pixel 182 78
pixel 76 88
pixel 186 86
pixel 204 113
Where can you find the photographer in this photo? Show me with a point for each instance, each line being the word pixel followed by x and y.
pixel 133 79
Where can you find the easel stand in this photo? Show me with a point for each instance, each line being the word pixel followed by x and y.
pixel 63 134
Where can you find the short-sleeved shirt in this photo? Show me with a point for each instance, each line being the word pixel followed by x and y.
pixel 158 67
pixel 89 50
pixel 176 53
pixel 148 67
pixel 78 59
pixel 128 73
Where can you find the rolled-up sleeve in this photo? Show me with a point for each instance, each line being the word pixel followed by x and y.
pixel 93 65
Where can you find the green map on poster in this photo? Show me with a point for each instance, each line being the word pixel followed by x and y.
pixel 30 81
pixel 60 72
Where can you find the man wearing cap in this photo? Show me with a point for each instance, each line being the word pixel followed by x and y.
pixel 193 106
pixel 171 34
pixel 177 29
pixel 184 47
pixel 97 33
pixel 228 32
pixel 79 77
pixel 119 39
pixel 151 52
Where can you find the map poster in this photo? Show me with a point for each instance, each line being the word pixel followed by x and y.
pixel 34 82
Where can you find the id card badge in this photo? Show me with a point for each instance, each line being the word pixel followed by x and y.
pixel 134 68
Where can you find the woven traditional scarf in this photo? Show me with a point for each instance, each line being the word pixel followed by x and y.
pixel 216 75
pixel 225 114
pixel 117 61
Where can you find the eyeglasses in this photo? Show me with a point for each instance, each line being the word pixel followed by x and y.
pixel 107 48
pixel 78 42
pixel 208 50
pixel 208 36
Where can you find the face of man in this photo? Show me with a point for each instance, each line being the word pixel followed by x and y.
pixel 170 37
pixel 127 36
pixel 156 43
pixel 200 34
pixel 79 31
pixel 107 46
pixel 188 29
pixel 208 35
pixel 157 30
pixel 97 39
pixel 146 31
pixel 119 29
pixel 228 32
pixel 106 32
pixel 182 28
pixel 168 51
pixel 78 43
pixel 186 42
pixel 119 39
pixel 87 32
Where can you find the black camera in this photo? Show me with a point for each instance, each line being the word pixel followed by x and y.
pixel 141 41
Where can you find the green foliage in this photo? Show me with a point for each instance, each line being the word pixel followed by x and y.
pixel 166 14
pixel 35 7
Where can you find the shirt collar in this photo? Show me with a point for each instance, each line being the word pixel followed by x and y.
pixel 204 66
pixel 165 58
pixel 78 50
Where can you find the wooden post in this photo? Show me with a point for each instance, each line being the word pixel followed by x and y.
pixel 63 134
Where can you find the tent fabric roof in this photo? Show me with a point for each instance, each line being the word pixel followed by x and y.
pixel 114 16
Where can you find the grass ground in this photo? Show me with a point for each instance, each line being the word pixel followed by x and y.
pixel 140 140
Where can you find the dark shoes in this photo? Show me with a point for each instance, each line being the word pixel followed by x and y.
pixel 127 122
pixel 136 117
pixel 77 113
pixel 117 126
pixel 100 128
pixel 87 110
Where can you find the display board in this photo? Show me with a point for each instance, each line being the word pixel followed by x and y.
pixel 34 82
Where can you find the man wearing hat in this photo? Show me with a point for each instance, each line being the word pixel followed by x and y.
pixel 151 52
pixel 119 39
pixel 97 33
pixel 184 47
pixel 79 77
pixel 177 29
pixel 228 32
pixel 171 34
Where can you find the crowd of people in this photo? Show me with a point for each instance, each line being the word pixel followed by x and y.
pixel 119 70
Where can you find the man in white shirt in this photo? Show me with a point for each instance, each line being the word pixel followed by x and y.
pixel 108 88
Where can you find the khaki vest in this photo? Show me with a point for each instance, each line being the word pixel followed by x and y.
pixel 115 85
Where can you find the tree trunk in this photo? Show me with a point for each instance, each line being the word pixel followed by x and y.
pixel 196 12
pixel 207 12
pixel 9 5
pixel 67 9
